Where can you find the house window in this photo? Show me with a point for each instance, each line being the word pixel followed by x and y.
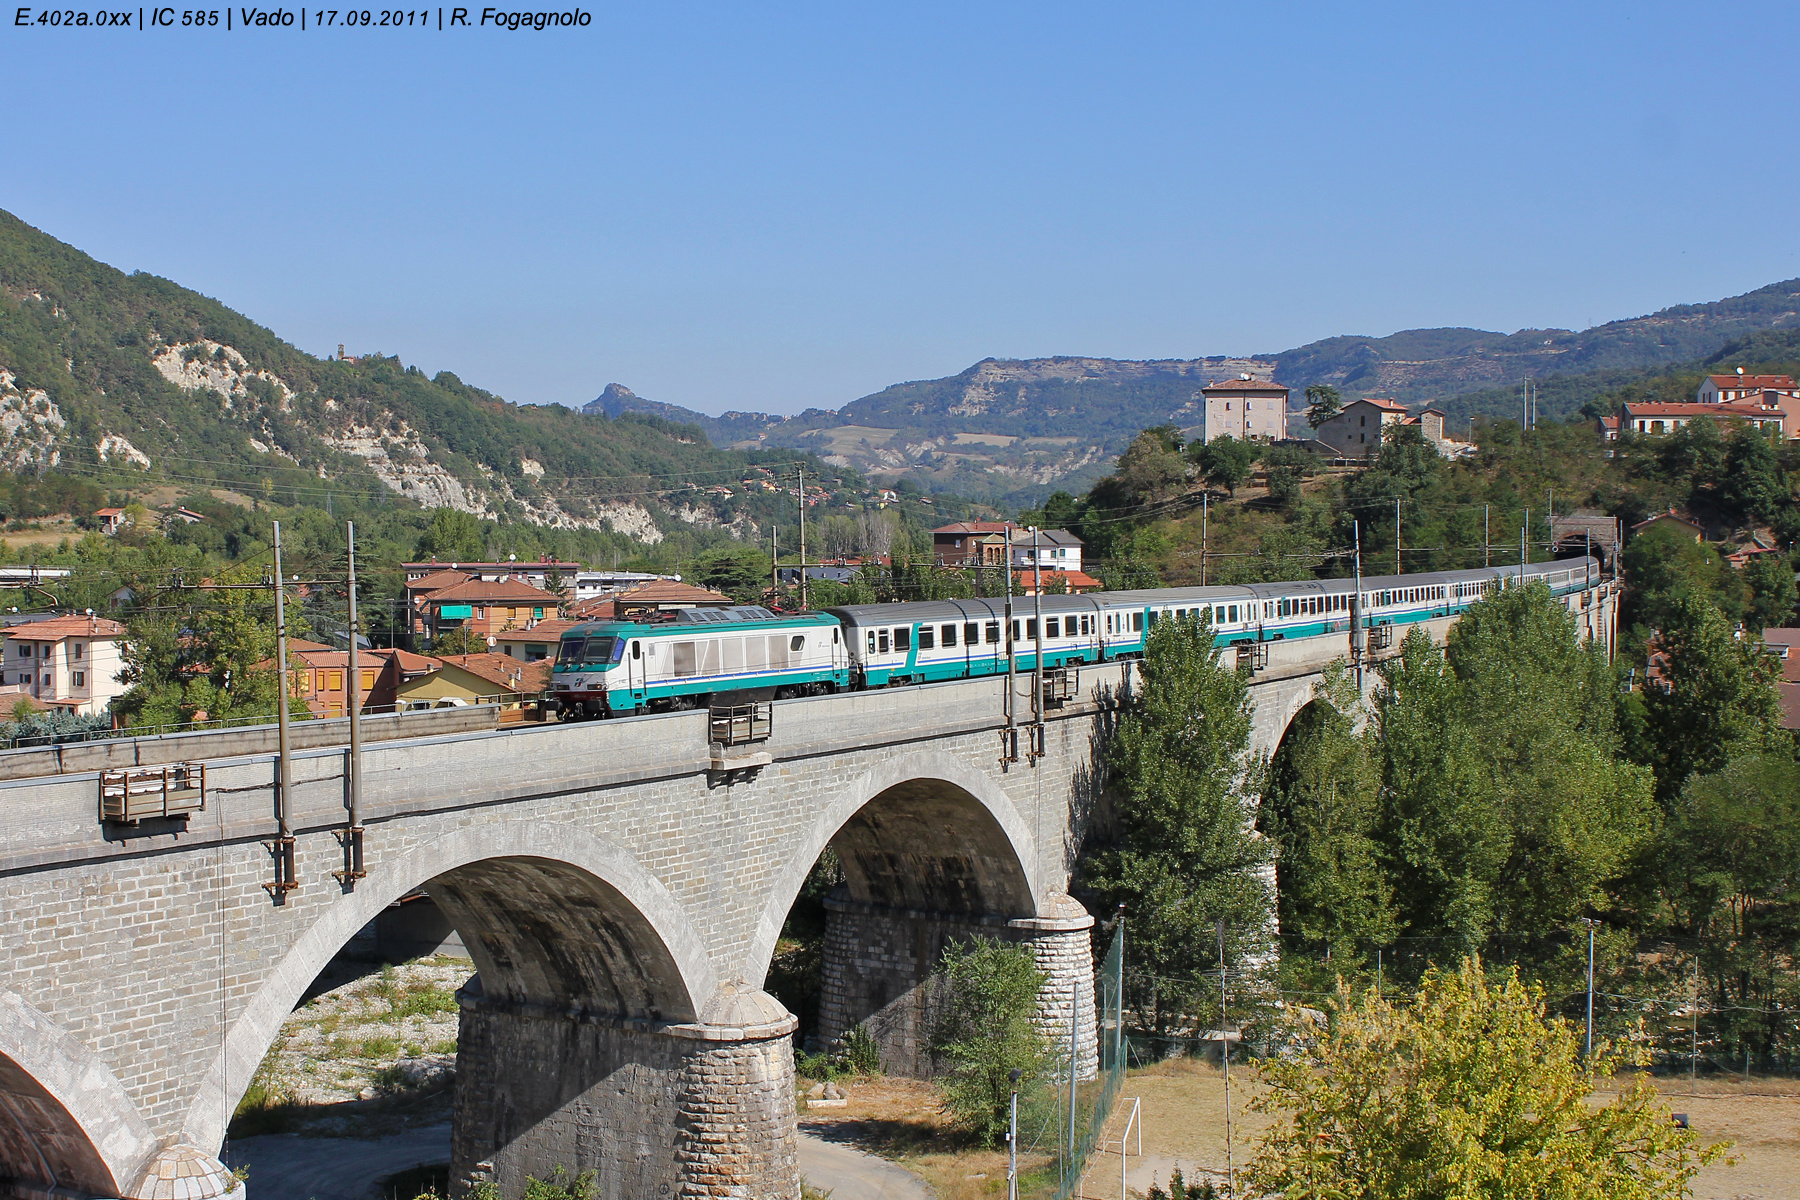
pixel 368 680
pixel 46 680
pixel 81 679
pixel 335 681
pixel 24 651
pixel 537 614
pixel 75 650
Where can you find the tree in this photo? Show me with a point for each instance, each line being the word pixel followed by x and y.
pixel 1769 579
pixel 1224 460
pixel 215 658
pixel 1663 565
pixel 1151 469
pixel 1321 809
pixel 1322 404
pixel 1754 486
pixel 453 536
pixel 1466 1093
pixel 461 640
pixel 1287 467
pixel 741 573
pixel 986 1028
pixel 1506 806
pixel 1184 853
pixel 1717 699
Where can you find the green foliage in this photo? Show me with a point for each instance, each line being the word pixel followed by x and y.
pixel 1667 568
pixel 1181 1189
pixel 1183 853
pixel 986 1028
pixel 1321 810
pixel 452 536
pixel 1507 808
pixel 461 640
pixel 214 658
pixel 1466 1093
pixel 1224 460
pixel 1322 404
pixel 861 1053
pixel 1769 578
pixel 742 574
pixel 1719 697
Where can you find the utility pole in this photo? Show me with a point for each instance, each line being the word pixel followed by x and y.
pixel 802 491
pixel 1358 637
pixel 1484 535
pixel 1589 922
pixel 1398 570
pixel 1037 648
pixel 283 846
pixel 1009 739
pixel 353 833
pixel 1203 499
pixel 1225 1058
pixel 1012 1140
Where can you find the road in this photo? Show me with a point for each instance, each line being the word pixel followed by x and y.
pixel 314 1168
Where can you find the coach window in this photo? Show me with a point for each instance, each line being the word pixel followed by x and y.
pixel 993 632
pixel 1015 629
pixel 903 638
pixel 927 640
pixel 1052 627
pixel 1031 629
pixel 1137 622
pixel 947 635
pixel 1233 611
pixel 878 641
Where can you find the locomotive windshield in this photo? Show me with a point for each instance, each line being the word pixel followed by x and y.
pixel 591 652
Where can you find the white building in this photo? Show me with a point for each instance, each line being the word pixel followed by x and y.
pixel 65 662
pixel 1741 388
pixel 1057 550
pixel 1245 408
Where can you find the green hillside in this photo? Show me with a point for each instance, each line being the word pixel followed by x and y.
pixel 133 380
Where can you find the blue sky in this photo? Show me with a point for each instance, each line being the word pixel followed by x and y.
pixel 776 206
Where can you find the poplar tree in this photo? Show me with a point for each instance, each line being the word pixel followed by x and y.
pixel 1184 853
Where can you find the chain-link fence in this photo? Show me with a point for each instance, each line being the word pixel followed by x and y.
pixel 1085 1116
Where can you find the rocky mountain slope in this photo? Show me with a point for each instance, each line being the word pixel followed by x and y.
pixel 1009 429
pixel 124 377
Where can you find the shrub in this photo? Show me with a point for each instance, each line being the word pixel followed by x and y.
pixel 985 1030
pixel 861 1054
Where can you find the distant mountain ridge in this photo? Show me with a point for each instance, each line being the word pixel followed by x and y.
pixel 1007 430
pixel 129 377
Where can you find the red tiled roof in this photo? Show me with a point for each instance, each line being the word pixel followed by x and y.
pixel 488 591
pixel 1752 381
pixel 505 566
pixel 503 671
pixel 1244 385
pixel 547 630
pixel 1790 704
pixel 58 628
pixel 438 579
pixel 1383 403
pixel 1660 409
pixel 966 527
pixel 1075 579
pixel 109 512
pixel 1671 515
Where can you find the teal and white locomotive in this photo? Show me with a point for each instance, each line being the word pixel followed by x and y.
pixel 615 668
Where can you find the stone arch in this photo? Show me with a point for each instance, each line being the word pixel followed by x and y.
pixel 924 831
pixel 65 1120
pixel 552 915
pixel 1277 704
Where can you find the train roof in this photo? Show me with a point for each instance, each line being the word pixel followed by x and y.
pixel 687 620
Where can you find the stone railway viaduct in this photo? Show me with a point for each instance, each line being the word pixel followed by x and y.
pixel 620 889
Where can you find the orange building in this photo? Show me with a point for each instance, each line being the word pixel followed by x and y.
pixel 487 606
pixel 317 676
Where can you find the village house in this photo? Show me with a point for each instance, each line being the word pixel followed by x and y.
pixel 70 662
pixel 1784 644
pixel 1727 389
pixel 485 608
pixel 961 543
pixel 465 679
pixel 648 599
pixel 110 520
pixel 1356 431
pixel 1247 409
pixel 1653 418
pixel 318 674
pixel 531 645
